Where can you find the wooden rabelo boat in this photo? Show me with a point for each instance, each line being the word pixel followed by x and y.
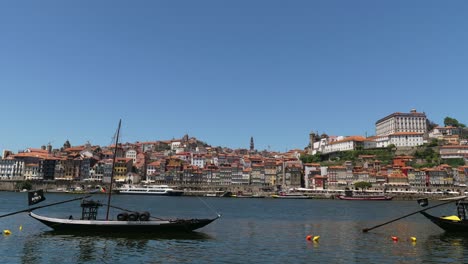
pixel 128 221
pixel 453 223
pixel 133 222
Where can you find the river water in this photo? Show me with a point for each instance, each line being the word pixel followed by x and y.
pixel 249 231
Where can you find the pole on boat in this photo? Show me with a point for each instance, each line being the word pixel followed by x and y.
pixel 42 206
pixel 112 172
pixel 365 230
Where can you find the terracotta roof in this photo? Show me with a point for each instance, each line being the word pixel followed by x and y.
pixel 77 148
pixel 406 134
pixel 351 138
pixel 155 163
pixel 37 150
pixel 337 167
pixel 454 147
pixel 32 155
pixel 312 164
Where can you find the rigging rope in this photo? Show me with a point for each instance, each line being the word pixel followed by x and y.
pixel 209 207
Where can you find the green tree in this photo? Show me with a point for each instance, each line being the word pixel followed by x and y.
pixel 24 185
pixel 448 121
pixel 307 158
pixel 434 143
pixel 454 162
pixel 362 185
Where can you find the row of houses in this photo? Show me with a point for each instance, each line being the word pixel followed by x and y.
pixel 86 163
pixel 397 176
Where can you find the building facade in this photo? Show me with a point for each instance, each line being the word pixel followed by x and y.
pixel 401 122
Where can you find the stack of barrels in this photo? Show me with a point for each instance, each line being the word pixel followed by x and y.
pixel 133 216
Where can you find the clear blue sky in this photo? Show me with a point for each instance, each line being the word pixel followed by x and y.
pixel 224 71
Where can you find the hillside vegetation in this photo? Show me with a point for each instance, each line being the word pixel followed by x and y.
pixel 425 156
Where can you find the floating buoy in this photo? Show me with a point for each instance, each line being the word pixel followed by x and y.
pixel 413 239
pixel 20 227
pixel 309 237
pixel 316 238
pixel 6 232
pixel 394 238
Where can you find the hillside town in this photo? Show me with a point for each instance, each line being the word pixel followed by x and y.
pixel 190 162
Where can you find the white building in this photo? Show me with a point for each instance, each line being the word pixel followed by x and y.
pixel 454 151
pixel 131 154
pixel 320 145
pixel 406 139
pixel 198 160
pixel 402 122
pixel 349 143
pixel 400 139
pixel 11 169
pixel 175 145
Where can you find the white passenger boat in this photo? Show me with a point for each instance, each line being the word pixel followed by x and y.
pixel 150 190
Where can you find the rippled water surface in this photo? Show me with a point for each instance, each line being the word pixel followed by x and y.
pixel 249 231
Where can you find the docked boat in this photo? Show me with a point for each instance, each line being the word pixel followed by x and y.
pixel 452 223
pixel 285 195
pixel 150 190
pixel 366 198
pixel 127 221
pixel 249 196
pixel 349 195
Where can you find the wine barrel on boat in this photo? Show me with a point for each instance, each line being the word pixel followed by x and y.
pixel 144 216
pixel 133 216
pixel 122 216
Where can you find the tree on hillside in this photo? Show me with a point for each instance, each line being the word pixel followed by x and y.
pixel 362 185
pixel 431 125
pixel 448 121
pixel 306 158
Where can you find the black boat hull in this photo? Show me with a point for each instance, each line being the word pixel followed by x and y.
pixel 448 225
pixel 134 227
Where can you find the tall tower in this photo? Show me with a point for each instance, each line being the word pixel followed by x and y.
pixel 311 142
pixel 252 147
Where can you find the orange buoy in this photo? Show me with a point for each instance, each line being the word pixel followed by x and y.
pixel 309 237
pixel 394 238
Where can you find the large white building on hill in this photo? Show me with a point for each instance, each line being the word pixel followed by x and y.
pixel 401 123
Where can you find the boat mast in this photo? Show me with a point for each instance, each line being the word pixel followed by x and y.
pixel 112 172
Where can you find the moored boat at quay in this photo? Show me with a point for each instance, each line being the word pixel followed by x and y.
pixel 366 198
pixel 350 195
pixel 285 195
pixel 163 190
